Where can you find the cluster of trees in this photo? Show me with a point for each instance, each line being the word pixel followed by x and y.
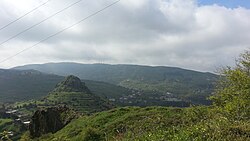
pixel 232 95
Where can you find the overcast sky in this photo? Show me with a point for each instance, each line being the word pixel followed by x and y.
pixel 198 35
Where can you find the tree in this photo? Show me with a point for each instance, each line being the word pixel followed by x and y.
pixel 232 95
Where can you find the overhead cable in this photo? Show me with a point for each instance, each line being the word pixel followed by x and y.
pixel 19 18
pixel 61 31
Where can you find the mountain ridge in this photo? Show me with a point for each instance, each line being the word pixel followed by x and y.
pixel 18 85
pixel 188 85
pixel 76 63
pixel 23 85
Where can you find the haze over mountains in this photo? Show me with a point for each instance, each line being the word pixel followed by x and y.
pixel 16 85
pixel 22 85
pixel 159 81
pixel 118 72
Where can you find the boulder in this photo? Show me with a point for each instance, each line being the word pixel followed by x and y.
pixel 50 120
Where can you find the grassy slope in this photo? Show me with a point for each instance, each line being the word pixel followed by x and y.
pixel 106 90
pixel 153 124
pixel 79 101
pixel 83 102
pixel 72 93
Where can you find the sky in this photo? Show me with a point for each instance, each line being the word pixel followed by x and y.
pixel 201 35
pixel 227 3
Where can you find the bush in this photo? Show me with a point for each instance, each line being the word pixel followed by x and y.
pixel 92 134
pixel 233 92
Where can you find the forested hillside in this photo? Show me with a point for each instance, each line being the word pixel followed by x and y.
pixel 187 85
pixel 16 85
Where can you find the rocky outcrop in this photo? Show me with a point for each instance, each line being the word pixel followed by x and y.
pixel 50 120
pixel 71 84
pixel 73 93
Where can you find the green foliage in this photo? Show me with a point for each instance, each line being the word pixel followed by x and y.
pixel 25 137
pixel 70 92
pixel 227 120
pixel 107 90
pixel 92 134
pixel 7 126
pixel 233 92
pixel 154 124
pixel 80 101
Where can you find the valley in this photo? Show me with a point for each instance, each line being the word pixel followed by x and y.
pixel 186 85
pixel 125 70
pixel 73 108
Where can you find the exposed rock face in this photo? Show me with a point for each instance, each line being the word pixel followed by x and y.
pixel 71 84
pixel 50 120
pixel 71 92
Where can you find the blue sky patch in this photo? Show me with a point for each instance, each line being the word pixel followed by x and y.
pixel 227 3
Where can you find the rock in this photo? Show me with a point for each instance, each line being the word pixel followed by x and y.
pixel 50 120
pixel 73 93
pixel 71 84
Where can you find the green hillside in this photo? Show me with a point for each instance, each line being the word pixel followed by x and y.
pixel 185 84
pixel 74 94
pixel 25 85
pixel 228 119
pixel 106 90
pixel 122 96
pixel 22 85
pixel 153 124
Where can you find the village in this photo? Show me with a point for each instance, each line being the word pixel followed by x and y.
pixel 13 116
pixel 141 98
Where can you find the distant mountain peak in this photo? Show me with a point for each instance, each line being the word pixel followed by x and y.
pixel 71 83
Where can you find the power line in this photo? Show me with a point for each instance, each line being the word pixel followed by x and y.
pixel 17 19
pixel 27 29
pixel 59 32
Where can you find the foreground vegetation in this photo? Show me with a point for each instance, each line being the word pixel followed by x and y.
pixel 153 124
pixel 227 119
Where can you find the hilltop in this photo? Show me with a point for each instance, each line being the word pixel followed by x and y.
pixel 73 93
pixel 71 84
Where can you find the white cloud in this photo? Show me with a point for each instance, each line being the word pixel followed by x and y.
pixel 150 32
